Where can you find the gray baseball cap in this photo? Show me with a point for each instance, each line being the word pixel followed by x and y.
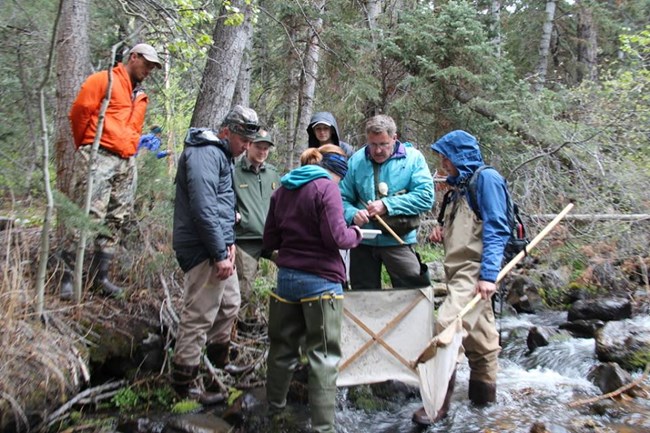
pixel 242 121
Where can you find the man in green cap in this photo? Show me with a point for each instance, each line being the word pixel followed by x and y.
pixel 254 182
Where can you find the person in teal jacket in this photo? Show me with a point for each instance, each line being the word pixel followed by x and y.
pixel 386 178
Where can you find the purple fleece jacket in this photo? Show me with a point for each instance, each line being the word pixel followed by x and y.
pixel 307 228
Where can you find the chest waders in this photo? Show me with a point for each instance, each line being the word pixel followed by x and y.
pixel 318 319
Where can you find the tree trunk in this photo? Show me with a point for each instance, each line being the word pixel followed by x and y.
pixel 221 71
pixel 243 86
pixel 309 77
pixel 587 46
pixel 495 26
pixel 544 45
pixel 72 67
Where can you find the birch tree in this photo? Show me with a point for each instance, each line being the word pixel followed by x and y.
pixel 544 45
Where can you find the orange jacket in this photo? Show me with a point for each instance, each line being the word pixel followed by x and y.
pixel 124 115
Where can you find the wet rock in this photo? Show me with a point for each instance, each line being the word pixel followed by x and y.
pixel 197 423
pixel 583 328
pixel 539 336
pixel 609 377
pixel 626 342
pixel 523 295
pixel 437 272
pixel 609 276
pixel 393 390
pixel 602 309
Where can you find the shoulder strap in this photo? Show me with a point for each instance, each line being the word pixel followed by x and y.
pixel 375 170
pixel 471 189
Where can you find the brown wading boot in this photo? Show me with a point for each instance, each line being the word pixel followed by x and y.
pixel 219 356
pixel 188 385
pixel 421 417
pixel 481 393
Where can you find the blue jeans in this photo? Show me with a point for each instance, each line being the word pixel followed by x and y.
pixel 294 285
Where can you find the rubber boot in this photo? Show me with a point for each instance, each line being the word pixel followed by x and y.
pixel 286 325
pixel 482 393
pixel 67 286
pixel 420 416
pixel 323 318
pixel 188 385
pixel 102 262
pixel 219 356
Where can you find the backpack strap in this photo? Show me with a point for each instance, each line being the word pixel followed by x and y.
pixel 471 189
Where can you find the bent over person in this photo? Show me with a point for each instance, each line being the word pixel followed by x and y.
pixel 113 187
pixel 473 257
pixel 204 242
pixel 386 178
pixel 305 224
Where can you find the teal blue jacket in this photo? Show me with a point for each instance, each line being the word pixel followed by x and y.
pixel 410 188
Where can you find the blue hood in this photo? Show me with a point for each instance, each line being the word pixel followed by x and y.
pixel 302 175
pixel 463 151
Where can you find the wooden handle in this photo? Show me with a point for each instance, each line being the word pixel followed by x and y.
pixel 507 268
pixel 387 227
pixel 516 259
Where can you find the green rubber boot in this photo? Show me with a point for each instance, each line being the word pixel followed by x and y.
pixel 286 325
pixel 323 318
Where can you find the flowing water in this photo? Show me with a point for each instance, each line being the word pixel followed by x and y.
pixel 536 387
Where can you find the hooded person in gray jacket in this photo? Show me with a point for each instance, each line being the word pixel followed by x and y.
pixel 323 130
pixel 204 242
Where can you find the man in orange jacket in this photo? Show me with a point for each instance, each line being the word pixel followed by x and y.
pixel 113 187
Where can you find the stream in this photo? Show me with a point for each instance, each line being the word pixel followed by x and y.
pixel 531 388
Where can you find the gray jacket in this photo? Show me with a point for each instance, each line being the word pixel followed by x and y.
pixel 204 209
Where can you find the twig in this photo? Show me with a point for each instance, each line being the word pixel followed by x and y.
pixel 214 374
pixel 644 274
pixel 54 416
pixel 616 392
pixel 19 414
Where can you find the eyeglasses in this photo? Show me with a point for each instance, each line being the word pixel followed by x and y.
pixel 384 146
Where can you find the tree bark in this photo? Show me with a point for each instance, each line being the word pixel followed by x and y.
pixel 243 86
pixel 72 67
pixel 495 26
pixel 309 76
pixel 587 46
pixel 544 45
pixel 221 71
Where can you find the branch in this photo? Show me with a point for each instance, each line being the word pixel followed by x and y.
pixel 614 393
pixel 96 392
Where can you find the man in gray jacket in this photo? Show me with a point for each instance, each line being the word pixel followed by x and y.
pixel 204 242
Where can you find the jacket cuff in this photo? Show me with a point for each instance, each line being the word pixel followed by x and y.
pixel 488 276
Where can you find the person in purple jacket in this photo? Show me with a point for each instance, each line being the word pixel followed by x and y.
pixel 305 224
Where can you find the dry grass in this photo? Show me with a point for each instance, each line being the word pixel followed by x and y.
pixel 39 363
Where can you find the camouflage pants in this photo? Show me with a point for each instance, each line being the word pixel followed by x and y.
pixel 113 191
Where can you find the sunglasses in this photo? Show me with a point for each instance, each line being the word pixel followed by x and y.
pixel 247 128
